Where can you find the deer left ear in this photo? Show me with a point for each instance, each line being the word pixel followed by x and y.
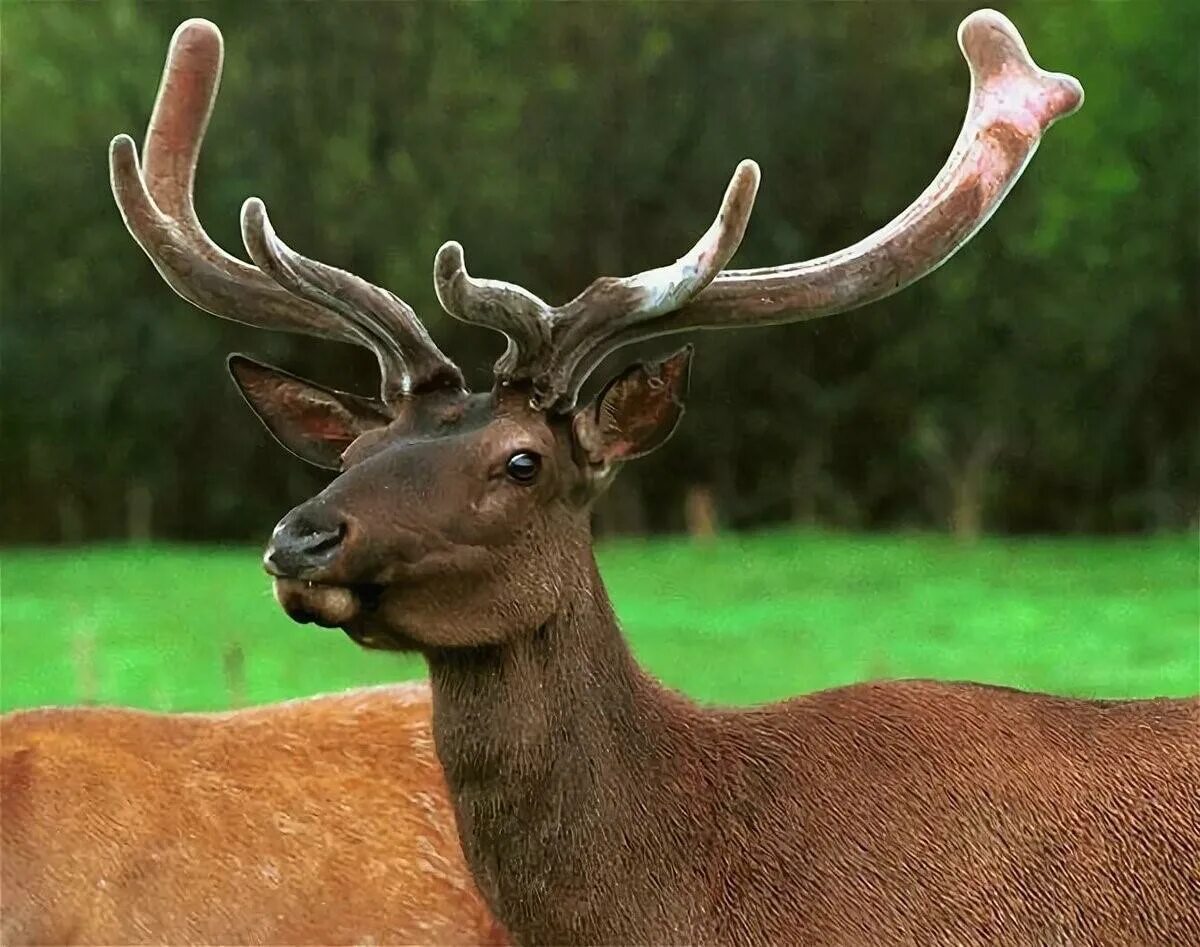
pixel 636 412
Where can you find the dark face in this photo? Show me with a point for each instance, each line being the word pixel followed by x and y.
pixel 452 514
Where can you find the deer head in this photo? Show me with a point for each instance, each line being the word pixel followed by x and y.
pixel 452 511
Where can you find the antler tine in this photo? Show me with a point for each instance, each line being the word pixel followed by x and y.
pixel 545 341
pixel 513 310
pixel 182 108
pixel 1012 103
pixel 408 358
pixel 204 275
pixel 611 306
pixel 156 203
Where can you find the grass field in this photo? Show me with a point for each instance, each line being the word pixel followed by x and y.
pixel 744 620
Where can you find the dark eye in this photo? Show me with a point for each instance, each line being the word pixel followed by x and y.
pixel 523 466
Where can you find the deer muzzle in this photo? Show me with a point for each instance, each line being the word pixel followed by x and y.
pixel 306 544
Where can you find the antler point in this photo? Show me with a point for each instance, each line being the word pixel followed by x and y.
pixel 124 170
pixel 1070 93
pixel 749 166
pixel 123 147
pixel 256 225
pixel 450 260
pixel 199 29
pixel 253 207
pixel 988 39
pixel 986 19
pixel 999 60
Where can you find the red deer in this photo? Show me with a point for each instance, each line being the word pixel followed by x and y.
pixel 319 821
pixel 269 825
pixel 594 805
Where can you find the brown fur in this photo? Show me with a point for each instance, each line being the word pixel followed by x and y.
pixel 318 821
pixel 596 807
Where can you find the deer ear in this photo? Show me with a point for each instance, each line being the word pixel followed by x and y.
pixel 636 412
pixel 313 422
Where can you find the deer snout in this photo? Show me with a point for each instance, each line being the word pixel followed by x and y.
pixel 305 543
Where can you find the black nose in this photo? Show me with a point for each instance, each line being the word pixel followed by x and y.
pixel 303 543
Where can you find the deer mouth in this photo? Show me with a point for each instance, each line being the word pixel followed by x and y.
pixel 349 607
pixel 324 604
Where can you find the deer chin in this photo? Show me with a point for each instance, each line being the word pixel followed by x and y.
pixel 353 608
pixel 330 606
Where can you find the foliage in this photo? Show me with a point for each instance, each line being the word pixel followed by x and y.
pixel 744 620
pixel 1043 380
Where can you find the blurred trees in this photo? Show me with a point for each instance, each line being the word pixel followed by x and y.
pixel 1045 379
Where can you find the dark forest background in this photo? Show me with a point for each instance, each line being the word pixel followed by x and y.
pixel 1046 379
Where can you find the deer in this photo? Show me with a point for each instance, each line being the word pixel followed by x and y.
pixel 594 805
pixel 266 825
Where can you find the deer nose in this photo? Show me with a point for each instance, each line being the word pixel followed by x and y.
pixel 304 543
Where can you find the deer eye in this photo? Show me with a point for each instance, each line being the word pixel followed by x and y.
pixel 523 466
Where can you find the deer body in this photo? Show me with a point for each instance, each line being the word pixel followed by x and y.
pixel 597 807
pixel 269 825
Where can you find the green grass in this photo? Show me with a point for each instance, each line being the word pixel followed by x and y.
pixel 743 620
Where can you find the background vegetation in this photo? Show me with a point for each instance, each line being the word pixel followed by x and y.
pixel 1045 380
pixel 744 620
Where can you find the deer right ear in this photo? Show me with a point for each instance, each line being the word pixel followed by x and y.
pixel 635 413
pixel 313 422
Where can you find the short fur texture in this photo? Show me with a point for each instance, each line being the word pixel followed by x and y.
pixel 597 807
pixel 318 821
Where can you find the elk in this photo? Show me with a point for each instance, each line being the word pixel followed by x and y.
pixel 269 825
pixel 594 805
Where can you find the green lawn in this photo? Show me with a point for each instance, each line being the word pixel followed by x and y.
pixel 744 620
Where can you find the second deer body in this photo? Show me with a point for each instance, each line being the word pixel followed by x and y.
pixel 269 825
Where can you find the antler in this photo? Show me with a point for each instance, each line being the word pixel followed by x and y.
pixel 287 291
pixel 539 333
pixel 1012 103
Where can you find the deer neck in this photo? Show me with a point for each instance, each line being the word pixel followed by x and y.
pixel 572 774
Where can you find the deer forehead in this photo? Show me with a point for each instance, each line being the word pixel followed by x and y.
pixel 474 426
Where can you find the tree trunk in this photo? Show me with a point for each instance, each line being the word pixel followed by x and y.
pixel 969 487
pixel 139 511
pixel 700 513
